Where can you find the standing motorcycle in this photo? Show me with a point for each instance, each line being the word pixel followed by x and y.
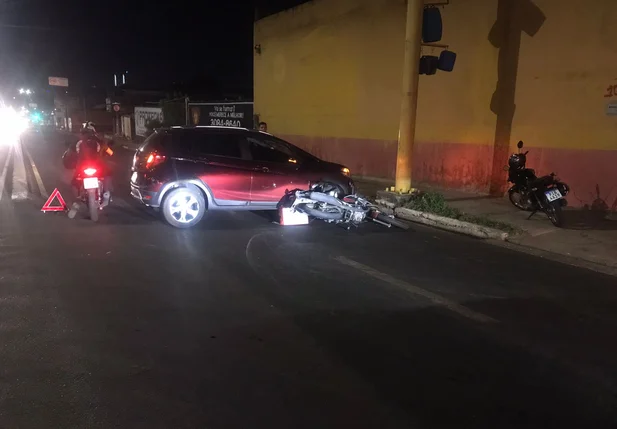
pixel 91 190
pixel 532 193
pixel 321 202
pixel 92 185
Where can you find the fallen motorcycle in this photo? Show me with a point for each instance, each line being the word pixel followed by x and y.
pixel 532 193
pixel 322 202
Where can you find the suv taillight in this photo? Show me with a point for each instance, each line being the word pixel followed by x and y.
pixel 154 159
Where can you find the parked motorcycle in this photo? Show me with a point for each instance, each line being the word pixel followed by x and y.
pixel 322 202
pixel 90 183
pixel 532 193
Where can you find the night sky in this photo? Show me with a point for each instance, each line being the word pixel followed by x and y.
pixel 158 43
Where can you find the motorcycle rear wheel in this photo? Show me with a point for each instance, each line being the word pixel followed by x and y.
pixel 555 213
pixel 93 205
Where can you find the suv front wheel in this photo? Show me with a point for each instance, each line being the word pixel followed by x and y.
pixel 184 207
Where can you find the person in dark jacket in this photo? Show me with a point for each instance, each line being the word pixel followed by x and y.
pixel 89 150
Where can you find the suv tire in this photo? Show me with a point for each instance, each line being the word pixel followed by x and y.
pixel 184 207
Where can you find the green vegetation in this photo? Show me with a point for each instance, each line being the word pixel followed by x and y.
pixel 435 203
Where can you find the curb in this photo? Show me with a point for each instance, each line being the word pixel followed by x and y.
pixel 452 225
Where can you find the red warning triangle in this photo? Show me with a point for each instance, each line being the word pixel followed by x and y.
pixel 47 207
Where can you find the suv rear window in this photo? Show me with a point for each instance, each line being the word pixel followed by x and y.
pixel 157 140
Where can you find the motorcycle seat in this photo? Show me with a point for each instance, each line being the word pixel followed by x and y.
pixel 542 181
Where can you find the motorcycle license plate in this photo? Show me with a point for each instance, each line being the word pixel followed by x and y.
pixel 91 183
pixel 291 217
pixel 553 194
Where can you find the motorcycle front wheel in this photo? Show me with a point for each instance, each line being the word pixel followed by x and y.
pixel 333 214
pixel 93 205
pixel 555 213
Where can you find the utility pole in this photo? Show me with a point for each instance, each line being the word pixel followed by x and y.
pixel 186 111
pixel 85 104
pixel 409 102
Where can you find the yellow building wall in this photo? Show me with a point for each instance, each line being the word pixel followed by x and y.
pixel 330 71
pixel 337 71
pixel 564 73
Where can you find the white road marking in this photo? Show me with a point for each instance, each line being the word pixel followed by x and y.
pixel 20 180
pixel 37 176
pixel 4 170
pixel 433 297
pixel 542 232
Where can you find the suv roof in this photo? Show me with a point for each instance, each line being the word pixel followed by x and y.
pixel 214 127
pixel 237 130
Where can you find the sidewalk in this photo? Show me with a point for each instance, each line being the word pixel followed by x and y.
pixel 587 236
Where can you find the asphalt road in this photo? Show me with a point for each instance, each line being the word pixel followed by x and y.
pixel 241 323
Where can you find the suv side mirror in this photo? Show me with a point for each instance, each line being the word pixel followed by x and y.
pixel 520 144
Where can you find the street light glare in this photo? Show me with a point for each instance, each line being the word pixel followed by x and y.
pixel 11 125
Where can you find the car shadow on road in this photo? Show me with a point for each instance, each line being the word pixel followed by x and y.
pixel 120 215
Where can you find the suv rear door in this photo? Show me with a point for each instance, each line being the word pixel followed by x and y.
pixel 216 159
pixel 276 169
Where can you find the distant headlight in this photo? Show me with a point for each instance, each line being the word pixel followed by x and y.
pixel 346 171
pixel 12 124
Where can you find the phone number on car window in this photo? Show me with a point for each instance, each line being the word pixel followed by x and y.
pixel 224 123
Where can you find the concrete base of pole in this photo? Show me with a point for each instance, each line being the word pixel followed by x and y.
pixel 394 199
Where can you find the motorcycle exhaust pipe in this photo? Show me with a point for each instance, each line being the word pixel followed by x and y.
pixel 387 225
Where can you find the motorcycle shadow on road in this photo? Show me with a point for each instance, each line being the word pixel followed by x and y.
pixel 588 218
pixel 272 217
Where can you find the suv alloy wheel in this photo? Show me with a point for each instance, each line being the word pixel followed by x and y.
pixel 184 207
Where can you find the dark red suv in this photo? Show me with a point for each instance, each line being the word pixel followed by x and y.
pixel 186 171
